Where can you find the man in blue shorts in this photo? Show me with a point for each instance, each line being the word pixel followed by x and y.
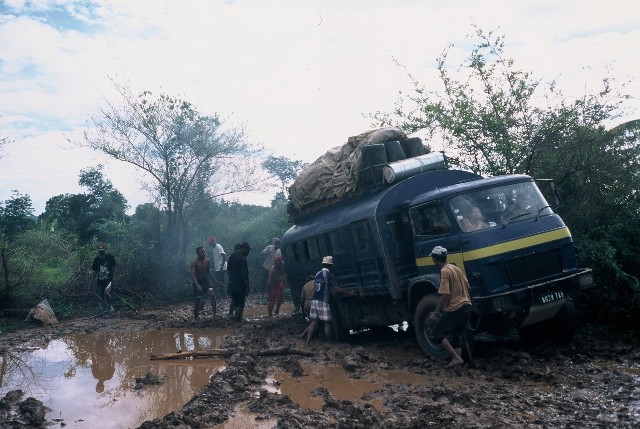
pixel 320 310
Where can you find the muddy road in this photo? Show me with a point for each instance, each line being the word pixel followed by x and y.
pixel 375 380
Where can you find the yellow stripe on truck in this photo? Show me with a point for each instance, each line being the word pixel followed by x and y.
pixel 497 249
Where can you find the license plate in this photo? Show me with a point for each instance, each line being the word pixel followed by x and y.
pixel 551 296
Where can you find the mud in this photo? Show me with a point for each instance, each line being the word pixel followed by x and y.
pixel 378 379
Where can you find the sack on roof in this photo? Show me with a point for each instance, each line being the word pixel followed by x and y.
pixel 343 170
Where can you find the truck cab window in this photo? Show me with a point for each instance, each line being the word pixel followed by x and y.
pixel 430 219
pixel 499 206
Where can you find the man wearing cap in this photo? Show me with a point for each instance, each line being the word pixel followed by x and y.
pixel 320 310
pixel 219 263
pixel 104 269
pixel 239 279
pixel 452 312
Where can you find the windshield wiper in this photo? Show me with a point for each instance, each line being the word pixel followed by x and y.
pixel 540 211
pixel 514 218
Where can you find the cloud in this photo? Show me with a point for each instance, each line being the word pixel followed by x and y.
pixel 299 74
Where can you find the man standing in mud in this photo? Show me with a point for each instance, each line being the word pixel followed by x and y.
pixel 268 254
pixel 276 285
pixel 239 279
pixel 454 306
pixel 201 276
pixel 320 310
pixel 104 270
pixel 219 263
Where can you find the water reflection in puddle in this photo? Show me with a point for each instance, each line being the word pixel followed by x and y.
pixel 89 380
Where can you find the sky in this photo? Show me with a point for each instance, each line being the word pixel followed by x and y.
pixel 300 75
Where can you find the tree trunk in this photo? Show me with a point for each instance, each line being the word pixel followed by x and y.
pixel 5 269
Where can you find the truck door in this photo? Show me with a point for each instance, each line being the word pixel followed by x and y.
pixel 432 226
pixel 368 265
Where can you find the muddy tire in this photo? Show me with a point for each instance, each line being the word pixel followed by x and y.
pixel 533 334
pixel 339 333
pixel 425 307
pixel 564 324
pixel 467 345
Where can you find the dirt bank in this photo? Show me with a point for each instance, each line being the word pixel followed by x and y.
pixel 593 382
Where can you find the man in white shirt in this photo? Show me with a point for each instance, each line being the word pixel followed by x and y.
pixel 219 262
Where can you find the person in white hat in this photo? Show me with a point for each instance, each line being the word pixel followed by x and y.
pixel 320 309
pixel 452 313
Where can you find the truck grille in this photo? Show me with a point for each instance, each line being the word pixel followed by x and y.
pixel 534 267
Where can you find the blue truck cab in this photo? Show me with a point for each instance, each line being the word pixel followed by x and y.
pixel 516 252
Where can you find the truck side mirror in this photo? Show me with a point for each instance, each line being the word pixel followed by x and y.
pixel 550 191
pixel 554 193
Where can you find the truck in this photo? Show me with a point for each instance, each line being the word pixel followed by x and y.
pixel 519 257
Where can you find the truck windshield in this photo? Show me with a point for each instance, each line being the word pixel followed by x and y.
pixel 500 205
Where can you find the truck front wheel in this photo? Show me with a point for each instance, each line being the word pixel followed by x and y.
pixel 425 307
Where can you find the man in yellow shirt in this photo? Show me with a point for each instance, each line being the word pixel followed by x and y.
pixel 452 313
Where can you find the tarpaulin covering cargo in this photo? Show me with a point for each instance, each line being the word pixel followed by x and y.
pixel 349 169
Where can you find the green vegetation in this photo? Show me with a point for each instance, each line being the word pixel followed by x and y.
pixel 496 119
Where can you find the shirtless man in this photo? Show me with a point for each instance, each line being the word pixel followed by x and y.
pixel 202 281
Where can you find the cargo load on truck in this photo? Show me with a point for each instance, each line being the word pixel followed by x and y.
pixel 367 161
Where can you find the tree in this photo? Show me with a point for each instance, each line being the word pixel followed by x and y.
pixel 83 213
pixel 16 217
pixel 283 168
pixel 491 115
pixel 496 119
pixel 186 156
pixel 105 202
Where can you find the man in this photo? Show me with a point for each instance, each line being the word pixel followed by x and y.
pixel 454 306
pixel 268 254
pixel 219 263
pixel 104 271
pixel 232 307
pixel 305 301
pixel 200 275
pixel 325 284
pixel 473 221
pixel 307 295
pixel 276 285
pixel 239 278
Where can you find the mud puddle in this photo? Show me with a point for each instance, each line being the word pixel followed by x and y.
pixel 337 382
pixel 107 380
pixel 260 311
